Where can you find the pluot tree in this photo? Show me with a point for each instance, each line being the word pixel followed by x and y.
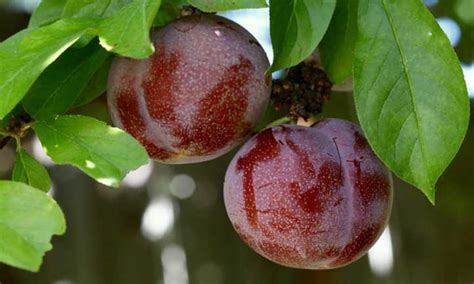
pixel 187 86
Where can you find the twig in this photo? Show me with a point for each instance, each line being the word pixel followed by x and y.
pixel 4 141
pixel 17 128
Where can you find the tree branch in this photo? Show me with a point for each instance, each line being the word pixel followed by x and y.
pixel 4 141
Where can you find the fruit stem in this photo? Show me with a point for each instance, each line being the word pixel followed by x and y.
pixel 280 121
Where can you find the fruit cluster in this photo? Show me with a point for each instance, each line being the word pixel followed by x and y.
pixel 307 197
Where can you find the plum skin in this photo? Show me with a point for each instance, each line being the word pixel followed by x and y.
pixel 198 96
pixel 309 197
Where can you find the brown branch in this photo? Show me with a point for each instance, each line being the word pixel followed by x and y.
pixel 17 127
pixel 4 141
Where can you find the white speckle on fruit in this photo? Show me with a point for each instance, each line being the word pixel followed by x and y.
pixel 198 96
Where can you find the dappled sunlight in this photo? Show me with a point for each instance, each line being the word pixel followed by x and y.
pixel 40 153
pixel 469 77
pixel 52 190
pixel 381 255
pixel 27 6
pixel 90 164
pixel 451 29
pixel 158 219
pixel 114 131
pixel 110 181
pixel 173 259
pixel 139 177
pixel 430 3
pixel 105 45
pixel 182 186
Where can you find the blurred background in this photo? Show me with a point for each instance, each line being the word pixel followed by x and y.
pixel 168 225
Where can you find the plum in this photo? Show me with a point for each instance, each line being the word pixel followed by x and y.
pixel 198 96
pixel 309 197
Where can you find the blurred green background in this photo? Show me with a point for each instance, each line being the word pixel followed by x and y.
pixel 168 225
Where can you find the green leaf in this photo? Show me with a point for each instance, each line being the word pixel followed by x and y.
pixel 410 94
pixel 50 11
pixel 10 45
pixel 57 89
pixel 223 5
pixel 92 8
pixel 85 8
pixel 126 32
pixel 296 28
pixel 28 170
pixel 169 11
pixel 28 219
pixel 24 57
pixel 337 46
pixel 47 12
pixel 79 8
pixel 116 5
pixel 105 153
pixel 96 86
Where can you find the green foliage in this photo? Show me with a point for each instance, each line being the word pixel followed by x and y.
pixel 28 219
pixel 96 86
pixel 28 170
pixel 105 153
pixel 47 12
pixel 169 10
pixel 60 86
pixel 79 8
pixel 409 90
pixel 24 57
pixel 223 5
pixel 337 46
pixel 127 31
pixel 114 6
pixel 410 93
pixel 296 29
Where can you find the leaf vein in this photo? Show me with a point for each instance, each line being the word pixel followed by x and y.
pixel 410 83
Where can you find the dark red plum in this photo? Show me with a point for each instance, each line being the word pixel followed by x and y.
pixel 198 96
pixel 309 197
